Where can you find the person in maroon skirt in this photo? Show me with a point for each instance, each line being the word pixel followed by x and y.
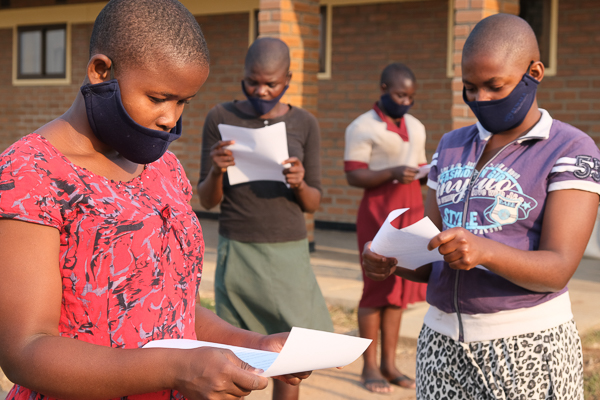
pixel 384 147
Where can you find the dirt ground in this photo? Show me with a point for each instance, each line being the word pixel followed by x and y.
pixel 345 384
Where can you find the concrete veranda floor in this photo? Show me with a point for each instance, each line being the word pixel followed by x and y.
pixel 336 266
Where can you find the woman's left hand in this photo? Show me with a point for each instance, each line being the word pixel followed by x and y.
pixel 275 343
pixel 461 249
pixel 294 174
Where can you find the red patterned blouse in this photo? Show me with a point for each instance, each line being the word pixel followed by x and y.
pixel 130 252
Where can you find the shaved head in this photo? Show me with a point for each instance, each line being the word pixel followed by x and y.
pixel 268 54
pixel 138 32
pixel 503 36
pixel 395 73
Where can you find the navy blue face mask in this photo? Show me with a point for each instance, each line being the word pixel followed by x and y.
pixel 502 115
pixel 263 106
pixel 113 126
pixel 392 108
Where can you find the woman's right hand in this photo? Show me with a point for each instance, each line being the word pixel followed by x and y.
pixel 404 174
pixel 221 156
pixel 210 373
pixel 377 267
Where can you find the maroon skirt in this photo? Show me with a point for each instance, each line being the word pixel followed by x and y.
pixel 374 208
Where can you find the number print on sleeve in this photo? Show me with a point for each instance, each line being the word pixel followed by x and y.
pixel 589 166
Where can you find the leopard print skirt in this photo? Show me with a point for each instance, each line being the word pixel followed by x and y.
pixel 542 365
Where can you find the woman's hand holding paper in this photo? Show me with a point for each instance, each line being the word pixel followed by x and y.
pixel 221 156
pixel 377 267
pixel 461 249
pixel 212 373
pixel 404 174
pixel 275 343
pixel 294 172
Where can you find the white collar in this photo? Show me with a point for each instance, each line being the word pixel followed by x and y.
pixel 541 130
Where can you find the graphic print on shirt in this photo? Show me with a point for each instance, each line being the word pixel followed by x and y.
pixel 496 185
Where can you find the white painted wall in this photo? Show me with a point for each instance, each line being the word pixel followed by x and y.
pixel 593 248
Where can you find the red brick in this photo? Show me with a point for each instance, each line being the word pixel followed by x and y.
pixel 463 16
pixel 591 94
pixel 461 4
pixel 578 83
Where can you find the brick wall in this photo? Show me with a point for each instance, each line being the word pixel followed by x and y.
pixel 365 39
pixel 296 22
pixel 227 39
pixel 573 95
pixel 467 14
pixel 42 3
pixel 24 109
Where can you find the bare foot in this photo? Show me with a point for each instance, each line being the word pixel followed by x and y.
pixel 373 381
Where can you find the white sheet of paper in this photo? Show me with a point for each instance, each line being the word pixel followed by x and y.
pixel 423 171
pixel 309 350
pixel 258 153
pixel 407 245
pixel 304 350
pixel 257 358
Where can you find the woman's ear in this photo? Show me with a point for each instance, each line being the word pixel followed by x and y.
pixel 288 78
pixel 537 70
pixel 98 69
pixel 383 88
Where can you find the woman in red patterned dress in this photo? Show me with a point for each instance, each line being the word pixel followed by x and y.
pixel 101 252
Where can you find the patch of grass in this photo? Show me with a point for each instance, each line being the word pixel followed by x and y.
pixel 591 365
pixel 208 303
pixel 591 340
pixel 344 319
pixel 591 387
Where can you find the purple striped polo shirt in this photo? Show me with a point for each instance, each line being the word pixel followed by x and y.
pixel 504 202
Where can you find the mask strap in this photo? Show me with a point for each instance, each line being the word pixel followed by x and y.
pixel 529 68
pixel 112 69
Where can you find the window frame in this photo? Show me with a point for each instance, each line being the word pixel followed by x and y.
pixel 550 70
pixel 40 80
pixel 326 74
pixel 253 26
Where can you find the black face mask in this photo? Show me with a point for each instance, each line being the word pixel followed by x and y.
pixel 263 106
pixel 392 108
pixel 113 126
pixel 505 114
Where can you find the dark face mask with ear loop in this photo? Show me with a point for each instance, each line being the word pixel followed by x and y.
pixel 113 126
pixel 263 106
pixel 392 108
pixel 509 112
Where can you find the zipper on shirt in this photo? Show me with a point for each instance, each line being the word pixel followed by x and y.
pixel 473 178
